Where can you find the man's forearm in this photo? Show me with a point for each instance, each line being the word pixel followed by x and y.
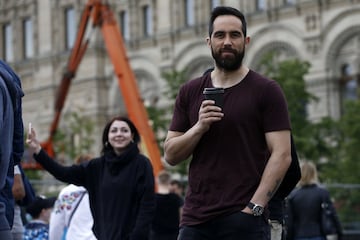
pixel 179 148
pixel 272 177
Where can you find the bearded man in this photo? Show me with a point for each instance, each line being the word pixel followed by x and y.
pixel 239 152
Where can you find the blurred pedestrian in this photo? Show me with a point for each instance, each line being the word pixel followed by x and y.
pixel 18 191
pixel 176 186
pixel 71 217
pixel 165 225
pixel 304 207
pixel 120 182
pixel 30 196
pixel 40 210
pixel 12 143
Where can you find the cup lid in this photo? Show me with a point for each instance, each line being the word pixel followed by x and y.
pixel 213 90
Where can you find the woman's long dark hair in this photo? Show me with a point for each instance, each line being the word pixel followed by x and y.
pixel 105 141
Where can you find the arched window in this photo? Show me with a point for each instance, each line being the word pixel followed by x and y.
pixel 214 4
pixel 147 21
pixel 8 43
pixel 346 71
pixel 28 38
pixel 189 13
pixel 124 25
pixel 349 85
pixel 70 27
pixel 260 5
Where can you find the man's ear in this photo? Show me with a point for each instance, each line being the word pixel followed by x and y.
pixel 247 41
pixel 208 41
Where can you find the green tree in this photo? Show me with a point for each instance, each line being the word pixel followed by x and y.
pixel 290 76
pixel 332 144
pixel 75 137
pixel 343 164
pixel 161 117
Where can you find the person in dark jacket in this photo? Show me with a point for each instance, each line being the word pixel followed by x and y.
pixel 12 143
pixel 304 206
pixel 168 210
pixel 120 182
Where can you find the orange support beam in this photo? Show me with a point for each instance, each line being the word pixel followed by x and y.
pixel 128 86
pixel 102 17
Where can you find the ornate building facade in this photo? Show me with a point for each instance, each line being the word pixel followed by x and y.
pixel 164 35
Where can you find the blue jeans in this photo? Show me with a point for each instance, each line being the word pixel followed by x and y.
pixel 238 225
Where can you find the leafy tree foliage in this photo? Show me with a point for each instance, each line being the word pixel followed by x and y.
pixel 161 117
pixel 290 75
pixel 330 143
pixel 343 164
pixel 75 137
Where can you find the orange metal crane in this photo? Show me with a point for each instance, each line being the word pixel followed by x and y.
pixel 100 15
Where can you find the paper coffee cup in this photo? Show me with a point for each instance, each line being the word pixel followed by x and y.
pixel 216 94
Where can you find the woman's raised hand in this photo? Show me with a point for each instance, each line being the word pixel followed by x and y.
pixel 31 140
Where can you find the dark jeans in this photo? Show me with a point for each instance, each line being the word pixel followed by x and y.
pixel 163 236
pixel 6 234
pixel 236 226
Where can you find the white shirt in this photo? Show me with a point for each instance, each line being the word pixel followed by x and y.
pixel 81 222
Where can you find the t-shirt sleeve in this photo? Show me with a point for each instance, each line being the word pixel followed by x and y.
pixel 180 121
pixel 275 109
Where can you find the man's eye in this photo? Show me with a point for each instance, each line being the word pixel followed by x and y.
pixel 219 35
pixel 236 34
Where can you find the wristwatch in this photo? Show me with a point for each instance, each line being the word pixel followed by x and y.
pixel 257 210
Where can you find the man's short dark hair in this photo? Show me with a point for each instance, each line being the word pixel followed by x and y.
pixel 223 10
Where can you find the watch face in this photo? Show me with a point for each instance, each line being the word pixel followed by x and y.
pixel 258 210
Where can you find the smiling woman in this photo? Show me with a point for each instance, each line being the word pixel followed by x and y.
pixel 118 134
pixel 120 182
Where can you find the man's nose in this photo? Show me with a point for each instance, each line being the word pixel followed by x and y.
pixel 227 40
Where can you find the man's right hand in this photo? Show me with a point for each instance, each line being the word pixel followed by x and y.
pixel 208 114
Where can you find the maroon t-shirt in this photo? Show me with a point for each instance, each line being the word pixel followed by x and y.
pixel 228 162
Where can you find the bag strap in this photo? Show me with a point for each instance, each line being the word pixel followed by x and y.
pixel 325 204
pixel 76 206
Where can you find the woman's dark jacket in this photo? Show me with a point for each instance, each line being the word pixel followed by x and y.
pixel 304 212
pixel 121 192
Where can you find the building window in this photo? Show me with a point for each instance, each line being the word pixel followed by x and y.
pixel 28 38
pixel 147 21
pixel 189 12
pixel 214 4
pixel 70 27
pixel 289 2
pixel 8 43
pixel 260 5
pixel 124 25
pixel 349 83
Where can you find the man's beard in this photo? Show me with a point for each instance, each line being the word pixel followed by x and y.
pixel 229 63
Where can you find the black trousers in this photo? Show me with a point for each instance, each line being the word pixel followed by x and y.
pixel 163 236
pixel 6 235
pixel 237 226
